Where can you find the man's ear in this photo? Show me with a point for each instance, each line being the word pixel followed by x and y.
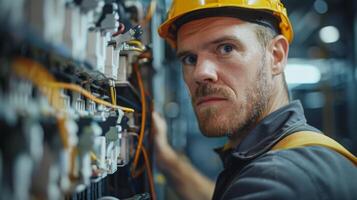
pixel 279 49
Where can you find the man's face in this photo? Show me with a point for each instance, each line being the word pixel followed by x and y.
pixel 226 71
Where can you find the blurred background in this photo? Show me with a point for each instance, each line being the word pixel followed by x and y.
pixel 321 73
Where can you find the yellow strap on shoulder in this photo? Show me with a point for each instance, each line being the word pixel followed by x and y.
pixel 309 138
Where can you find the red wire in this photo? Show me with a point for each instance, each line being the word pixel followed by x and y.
pixel 121 29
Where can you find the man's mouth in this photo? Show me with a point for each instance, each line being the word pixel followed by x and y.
pixel 209 100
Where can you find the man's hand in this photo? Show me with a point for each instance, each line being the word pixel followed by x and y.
pixel 189 183
pixel 164 153
pixel 159 127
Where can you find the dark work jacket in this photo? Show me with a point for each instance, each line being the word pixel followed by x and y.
pixel 252 171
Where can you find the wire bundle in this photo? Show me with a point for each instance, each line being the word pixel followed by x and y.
pixel 140 148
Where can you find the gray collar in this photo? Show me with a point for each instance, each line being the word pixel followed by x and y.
pixel 269 131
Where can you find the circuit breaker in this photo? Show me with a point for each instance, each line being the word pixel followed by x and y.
pixel 74 109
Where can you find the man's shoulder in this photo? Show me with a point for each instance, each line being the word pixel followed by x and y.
pixel 300 173
pixel 310 159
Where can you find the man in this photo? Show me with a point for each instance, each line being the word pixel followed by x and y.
pixel 233 55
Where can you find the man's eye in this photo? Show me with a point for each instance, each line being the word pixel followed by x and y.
pixel 189 60
pixel 225 49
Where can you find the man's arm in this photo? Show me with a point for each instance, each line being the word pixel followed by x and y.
pixel 185 179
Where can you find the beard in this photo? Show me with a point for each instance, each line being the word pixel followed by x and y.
pixel 237 119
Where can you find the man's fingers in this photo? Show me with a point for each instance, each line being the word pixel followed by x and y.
pixel 159 125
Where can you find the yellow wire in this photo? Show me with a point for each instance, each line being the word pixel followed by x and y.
pixel 87 94
pixel 112 93
pixel 136 43
pixel 115 95
pixel 93 156
pixel 38 75
pixel 41 78
pixel 132 48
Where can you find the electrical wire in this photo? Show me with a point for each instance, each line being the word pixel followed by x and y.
pixel 72 166
pixel 134 48
pixel 61 123
pixel 149 173
pixel 138 172
pixel 136 43
pixel 47 84
pixel 38 75
pixel 140 146
pixel 147 168
pixel 87 94
pixel 113 94
pixel 143 116
pixel 93 156
pixel 121 30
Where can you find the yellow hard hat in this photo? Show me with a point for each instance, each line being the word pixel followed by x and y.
pixel 197 9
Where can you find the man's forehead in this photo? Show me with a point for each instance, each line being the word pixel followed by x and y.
pixel 209 30
pixel 200 25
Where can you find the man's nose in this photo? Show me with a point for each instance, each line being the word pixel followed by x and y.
pixel 205 71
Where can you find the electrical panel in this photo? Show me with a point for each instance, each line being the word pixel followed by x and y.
pixel 74 99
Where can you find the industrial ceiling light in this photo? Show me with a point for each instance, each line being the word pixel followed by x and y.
pixel 329 34
pixel 320 6
pixel 303 73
